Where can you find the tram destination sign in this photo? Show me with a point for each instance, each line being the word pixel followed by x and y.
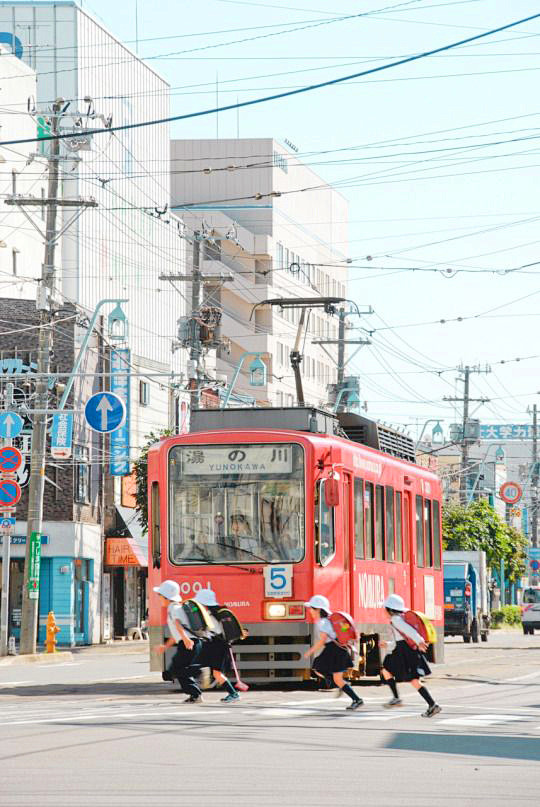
pixel 230 460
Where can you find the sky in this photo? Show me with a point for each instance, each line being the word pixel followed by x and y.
pixel 438 159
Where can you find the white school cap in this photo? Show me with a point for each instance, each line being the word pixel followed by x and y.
pixel 205 596
pixel 170 590
pixel 318 601
pixel 394 603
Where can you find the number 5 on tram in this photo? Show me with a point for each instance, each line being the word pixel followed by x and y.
pixel 268 507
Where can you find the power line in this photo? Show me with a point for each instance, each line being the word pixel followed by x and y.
pixel 286 94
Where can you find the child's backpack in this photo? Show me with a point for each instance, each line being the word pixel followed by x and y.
pixel 197 617
pixel 343 625
pixel 421 625
pixel 230 624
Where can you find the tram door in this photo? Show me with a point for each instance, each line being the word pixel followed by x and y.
pixel 408 550
pixel 348 544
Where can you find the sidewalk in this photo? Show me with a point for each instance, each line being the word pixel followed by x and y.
pixel 63 656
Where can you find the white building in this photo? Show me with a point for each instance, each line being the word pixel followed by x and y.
pixel 116 251
pixel 21 248
pixel 278 243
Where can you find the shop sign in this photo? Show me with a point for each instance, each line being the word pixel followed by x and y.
pixel 120 382
pixel 35 564
pixel 20 540
pixel 129 490
pixel 118 552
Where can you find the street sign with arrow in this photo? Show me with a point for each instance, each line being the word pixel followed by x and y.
pixel 104 412
pixel 11 424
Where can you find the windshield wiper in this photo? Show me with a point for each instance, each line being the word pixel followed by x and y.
pixel 241 548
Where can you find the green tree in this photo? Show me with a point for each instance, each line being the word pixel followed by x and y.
pixel 478 526
pixel 141 475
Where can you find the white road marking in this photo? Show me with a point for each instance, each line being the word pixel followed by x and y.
pixel 481 720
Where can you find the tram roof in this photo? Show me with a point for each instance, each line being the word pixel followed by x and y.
pixel 356 428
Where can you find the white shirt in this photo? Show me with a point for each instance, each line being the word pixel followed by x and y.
pixel 325 626
pixel 397 624
pixel 216 629
pixel 175 613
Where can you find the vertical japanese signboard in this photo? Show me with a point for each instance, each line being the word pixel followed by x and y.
pixel 35 564
pixel 62 435
pixel 120 384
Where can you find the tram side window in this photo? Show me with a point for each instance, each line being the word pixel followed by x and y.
pixel 389 499
pixel 436 535
pixel 370 525
pixel 419 531
pixel 327 539
pixel 359 518
pixel 379 523
pixel 156 526
pixel 428 532
pixel 399 528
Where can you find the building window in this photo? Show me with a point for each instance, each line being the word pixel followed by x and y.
pixel 280 161
pixel 279 256
pixel 82 474
pixel 144 393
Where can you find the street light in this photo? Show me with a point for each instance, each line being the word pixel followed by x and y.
pixel 118 325
pixel 257 373
pixel 437 434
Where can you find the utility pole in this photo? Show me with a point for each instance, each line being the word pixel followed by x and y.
pixel 340 389
pixel 534 479
pixel 45 304
pixel 468 433
pixel 200 329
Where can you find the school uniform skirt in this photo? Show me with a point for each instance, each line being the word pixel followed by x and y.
pixel 406 664
pixel 215 653
pixel 333 659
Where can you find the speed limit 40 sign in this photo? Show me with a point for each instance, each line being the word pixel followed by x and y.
pixel 510 492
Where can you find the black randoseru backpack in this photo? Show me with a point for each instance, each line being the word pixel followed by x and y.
pixel 196 616
pixel 232 629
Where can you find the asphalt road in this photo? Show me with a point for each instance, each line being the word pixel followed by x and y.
pixel 102 731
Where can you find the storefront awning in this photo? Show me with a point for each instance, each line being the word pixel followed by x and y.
pixel 137 540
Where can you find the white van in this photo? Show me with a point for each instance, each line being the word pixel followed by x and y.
pixel 530 609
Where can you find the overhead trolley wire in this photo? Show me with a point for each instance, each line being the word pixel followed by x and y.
pixel 287 94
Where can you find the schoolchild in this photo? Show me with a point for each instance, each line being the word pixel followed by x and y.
pixel 405 663
pixel 216 651
pixel 334 659
pixel 184 664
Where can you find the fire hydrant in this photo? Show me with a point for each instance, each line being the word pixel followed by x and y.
pixel 52 630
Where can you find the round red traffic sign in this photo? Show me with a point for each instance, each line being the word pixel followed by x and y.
pixel 510 492
pixel 10 493
pixel 10 459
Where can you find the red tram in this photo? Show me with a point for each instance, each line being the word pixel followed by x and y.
pixel 268 506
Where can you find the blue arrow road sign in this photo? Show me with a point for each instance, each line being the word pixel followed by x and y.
pixel 11 424
pixel 104 412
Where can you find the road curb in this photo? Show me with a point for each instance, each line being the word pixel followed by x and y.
pixel 42 658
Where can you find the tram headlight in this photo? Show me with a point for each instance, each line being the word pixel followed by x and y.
pixel 276 610
pixel 284 610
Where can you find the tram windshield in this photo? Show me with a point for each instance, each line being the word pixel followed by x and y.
pixel 236 503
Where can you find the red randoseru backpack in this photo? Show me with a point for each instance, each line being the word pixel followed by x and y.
pixel 343 625
pixel 412 619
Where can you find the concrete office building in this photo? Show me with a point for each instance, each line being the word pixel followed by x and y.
pixel 277 243
pixel 114 251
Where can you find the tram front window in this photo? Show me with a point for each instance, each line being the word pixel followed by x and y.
pixel 241 503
